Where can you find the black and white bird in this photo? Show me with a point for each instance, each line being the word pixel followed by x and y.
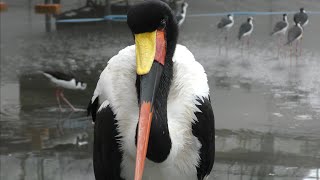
pixel 181 16
pixel 295 33
pixel 246 28
pixel 281 27
pixel 301 17
pixel 226 22
pixel 245 31
pixel 224 25
pixel 151 106
pixel 280 30
pixel 64 81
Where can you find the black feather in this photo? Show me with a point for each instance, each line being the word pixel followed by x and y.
pixel 107 156
pixel 204 130
pixel 93 108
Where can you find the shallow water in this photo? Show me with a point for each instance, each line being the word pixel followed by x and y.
pixel 267 108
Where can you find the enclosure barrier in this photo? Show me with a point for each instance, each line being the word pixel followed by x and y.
pixel 47 8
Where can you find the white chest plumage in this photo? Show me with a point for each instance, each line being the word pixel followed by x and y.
pixel 189 83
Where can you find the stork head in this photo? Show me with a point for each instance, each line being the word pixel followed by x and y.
pixel 155 31
pixel 250 19
pixel 302 10
pixel 230 16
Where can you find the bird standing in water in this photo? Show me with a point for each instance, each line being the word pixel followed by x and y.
pixel 151 106
pixel 225 24
pixel 66 81
pixel 295 33
pixel 303 19
pixel 245 31
pixel 280 30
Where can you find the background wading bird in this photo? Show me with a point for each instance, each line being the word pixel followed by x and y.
pixel 295 33
pixel 225 24
pixel 181 16
pixel 280 29
pixel 155 119
pixel 302 18
pixel 245 31
pixel 64 81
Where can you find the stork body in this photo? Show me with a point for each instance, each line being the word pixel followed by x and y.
pixel 153 122
pixel 188 108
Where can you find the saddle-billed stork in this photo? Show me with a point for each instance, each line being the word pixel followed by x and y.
pixel 151 106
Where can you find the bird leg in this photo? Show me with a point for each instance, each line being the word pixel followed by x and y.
pixel 300 43
pixel 248 44
pixel 279 41
pixel 297 48
pixel 290 52
pixel 297 51
pixel 66 101
pixel 241 47
pixel 58 98
pixel 226 42
pixel 220 48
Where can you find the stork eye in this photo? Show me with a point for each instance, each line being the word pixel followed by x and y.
pixel 163 24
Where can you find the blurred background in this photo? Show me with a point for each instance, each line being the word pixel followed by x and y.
pixel 267 107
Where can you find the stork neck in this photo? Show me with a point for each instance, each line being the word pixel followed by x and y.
pixel 159 139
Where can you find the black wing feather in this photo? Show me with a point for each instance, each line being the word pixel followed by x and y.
pixel 223 22
pixel 204 130
pixel 107 156
pixel 93 108
pixel 60 75
pixel 279 26
pixel 300 17
pixel 293 34
pixel 245 27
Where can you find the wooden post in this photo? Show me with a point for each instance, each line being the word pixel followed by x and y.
pixel 47 18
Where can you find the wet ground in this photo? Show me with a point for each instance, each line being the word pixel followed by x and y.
pixel 267 108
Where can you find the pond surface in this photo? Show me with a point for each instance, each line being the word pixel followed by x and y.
pixel 267 108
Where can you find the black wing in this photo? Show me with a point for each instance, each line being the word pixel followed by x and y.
pixel 245 27
pixel 93 108
pixel 204 130
pixel 279 26
pixel 223 22
pixel 60 75
pixel 300 17
pixel 293 34
pixel 107 156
